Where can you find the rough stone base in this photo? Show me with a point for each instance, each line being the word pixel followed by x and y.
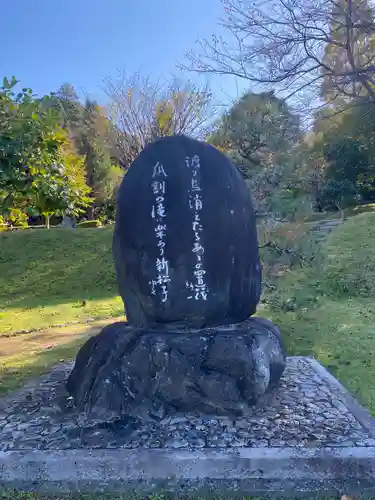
pixel 312 436
pixel 149 374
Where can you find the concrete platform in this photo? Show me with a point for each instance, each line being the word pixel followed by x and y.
pixel 308 467
pixel 230 473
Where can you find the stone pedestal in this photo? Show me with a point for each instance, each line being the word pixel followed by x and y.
pixel 310 438
pixel 188 270
pixel 148 374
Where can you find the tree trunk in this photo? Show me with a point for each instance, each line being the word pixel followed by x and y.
pixel 90 212
pixel 68 222
pixel 47 217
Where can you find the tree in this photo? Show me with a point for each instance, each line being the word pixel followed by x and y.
pixel 255 126
pixel 62 190
pixel 102 175
pixel 89 129
pixel 351 46
pixel 37 169
pixel 25 142
pixel 351 155
pixel 262 135
pixel 69 107
pixel 143 111
pixel 343 156
pixel 282 44
pixel 312 174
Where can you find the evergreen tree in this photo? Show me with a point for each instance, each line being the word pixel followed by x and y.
pixel 261 135
pixel 67 103
pixel 101 175
pixel 89 128
pixel 256 126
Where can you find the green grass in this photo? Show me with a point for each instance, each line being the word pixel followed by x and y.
pixel 326 310
pixel 360 209
pixel 45 276
pixel 27 356
pixel 42 283
pixel 341 335
pixel 349 259
pixel 39 275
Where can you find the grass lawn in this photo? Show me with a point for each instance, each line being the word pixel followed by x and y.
pixel 325 310
pixel 41 283
pixel 29 355
pixel 332 316
pixel 45 275
pixel 341 335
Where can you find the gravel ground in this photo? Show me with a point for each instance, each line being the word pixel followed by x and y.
pixel 303 412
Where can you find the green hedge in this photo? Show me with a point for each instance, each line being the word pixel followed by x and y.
pixel 90 223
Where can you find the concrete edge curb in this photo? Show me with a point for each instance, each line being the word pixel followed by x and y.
pixel 143 471
pixel 359 412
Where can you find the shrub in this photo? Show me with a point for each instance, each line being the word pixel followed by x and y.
pixel 90 223
pixel 359 209
pixel 17 218
pixel 289 244
pixel 3 225
pixel 40 226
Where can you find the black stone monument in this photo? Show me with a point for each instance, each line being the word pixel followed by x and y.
pixel 188 270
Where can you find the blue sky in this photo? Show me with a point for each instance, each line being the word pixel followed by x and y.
pixel 47 43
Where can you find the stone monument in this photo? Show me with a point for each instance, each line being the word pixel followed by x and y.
pixel 188 270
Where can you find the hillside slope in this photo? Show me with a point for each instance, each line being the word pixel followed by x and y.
pixel 46 275
pixel 326 310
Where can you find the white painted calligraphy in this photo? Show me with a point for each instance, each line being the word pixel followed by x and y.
pixel 158 213
pixel 158 187
pixel 158 171
pixel 199 289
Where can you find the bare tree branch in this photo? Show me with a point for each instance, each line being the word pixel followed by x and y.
pixel 280 44
pixel 143 111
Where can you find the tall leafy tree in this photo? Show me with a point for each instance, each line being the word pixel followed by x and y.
pixel 62 190
pixel 102 175
pixel 261 135
pixel 343 154
pixel 26 145
pixel 36 172
pixel 69 107
pixel 255 126
pixel 89 129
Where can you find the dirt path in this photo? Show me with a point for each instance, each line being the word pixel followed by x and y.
pixel 29 355
pixel 324 227
pixel 28 343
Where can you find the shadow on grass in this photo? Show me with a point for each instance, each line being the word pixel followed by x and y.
pixel 18 371
pixel 51 267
